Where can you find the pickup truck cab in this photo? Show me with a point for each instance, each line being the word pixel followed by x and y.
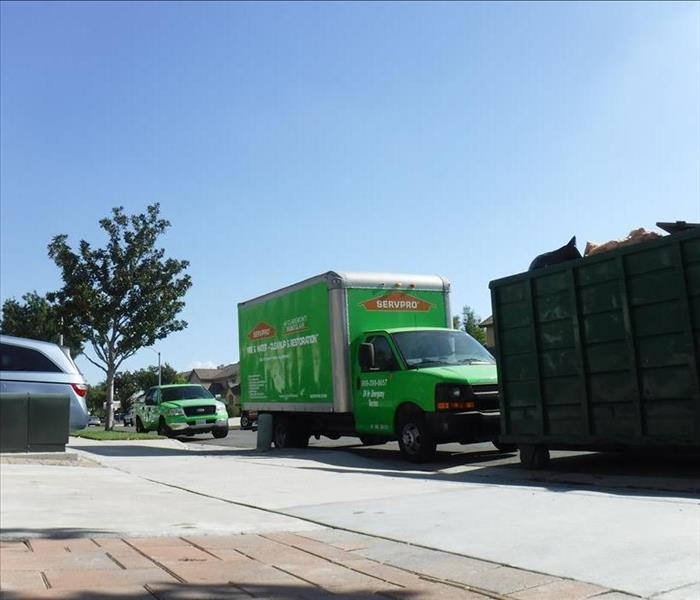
pixel 180 409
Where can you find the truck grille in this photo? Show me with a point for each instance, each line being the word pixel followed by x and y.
pixel 486 396
pixel 199 411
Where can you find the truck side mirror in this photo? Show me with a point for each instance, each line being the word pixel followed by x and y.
pixel 366 357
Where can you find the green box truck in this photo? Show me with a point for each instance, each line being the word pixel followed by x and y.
pixel 369 355
pixel 602 352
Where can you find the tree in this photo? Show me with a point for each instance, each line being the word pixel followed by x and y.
pixel 126 384
pixel 125 296
pixel 38 319
pixel 470 324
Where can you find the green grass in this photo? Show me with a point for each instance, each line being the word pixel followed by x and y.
pixel 101 434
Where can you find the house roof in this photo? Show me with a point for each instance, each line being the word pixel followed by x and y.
pixel 226 372
pixel 487 322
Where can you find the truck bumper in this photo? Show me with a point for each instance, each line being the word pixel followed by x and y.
pixel 465 427
pixel 215 423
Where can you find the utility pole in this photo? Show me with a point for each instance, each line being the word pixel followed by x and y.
pixel 158 367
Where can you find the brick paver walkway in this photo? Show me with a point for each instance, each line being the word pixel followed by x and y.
pixel 276 566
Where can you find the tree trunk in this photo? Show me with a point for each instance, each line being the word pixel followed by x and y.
pixel 109 405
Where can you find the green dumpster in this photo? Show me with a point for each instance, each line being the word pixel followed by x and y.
pixel 602 352
pixel 34 422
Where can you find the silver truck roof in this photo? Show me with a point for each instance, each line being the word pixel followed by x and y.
pixel 351 279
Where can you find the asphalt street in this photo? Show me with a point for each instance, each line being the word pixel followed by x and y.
pixel 643 466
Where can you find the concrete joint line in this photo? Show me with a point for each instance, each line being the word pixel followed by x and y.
pixel 155 562
pixel 115 561
pixel 462 586
pixel 296 576
pixel 46 581
pixel 673 589
pixel 339 564
pixel 200 548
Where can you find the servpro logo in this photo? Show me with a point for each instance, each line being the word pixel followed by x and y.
pixel 262 331
pixel 398 301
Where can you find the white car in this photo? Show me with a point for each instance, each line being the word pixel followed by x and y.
pixel 31 366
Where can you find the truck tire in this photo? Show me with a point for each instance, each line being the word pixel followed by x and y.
pixel 415 440
pixel 219 432
pixel 534 456
pixel 163 428
pixel 139 426
pixel 245 422
pixel 282 433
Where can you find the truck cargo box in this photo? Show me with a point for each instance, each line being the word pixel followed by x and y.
pixel 602 351
pixel 295 342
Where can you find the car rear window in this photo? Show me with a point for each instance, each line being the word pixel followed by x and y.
pixel 16 358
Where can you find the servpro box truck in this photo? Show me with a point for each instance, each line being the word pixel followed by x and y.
pixel 369 355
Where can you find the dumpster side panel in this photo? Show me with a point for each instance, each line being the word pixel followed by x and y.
pixel 603 350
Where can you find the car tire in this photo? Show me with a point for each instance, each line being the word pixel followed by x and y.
pixel 415 440
pixel 219 432
pixel 245 422
pixel 163 428
pixel 139 426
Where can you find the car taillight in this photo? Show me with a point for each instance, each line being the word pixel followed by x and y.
pixel 80 389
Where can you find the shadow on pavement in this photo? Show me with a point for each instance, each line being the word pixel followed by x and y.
pixel 53 533
pixel 232 591
pixel 631 473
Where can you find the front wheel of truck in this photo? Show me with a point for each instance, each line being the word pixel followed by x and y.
pixel 219 432
pixel 163 428
pixel 415 440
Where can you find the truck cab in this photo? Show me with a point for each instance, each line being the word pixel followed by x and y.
pixel 424 386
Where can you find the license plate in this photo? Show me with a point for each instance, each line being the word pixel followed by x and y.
pixel 200 422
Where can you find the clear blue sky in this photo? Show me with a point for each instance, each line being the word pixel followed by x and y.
pixel 284 140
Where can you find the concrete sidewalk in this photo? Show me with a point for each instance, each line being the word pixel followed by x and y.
pixel 280 566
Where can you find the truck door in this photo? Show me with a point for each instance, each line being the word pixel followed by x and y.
pixel 372 399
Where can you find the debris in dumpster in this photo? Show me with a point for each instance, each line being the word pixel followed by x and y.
pixel 635 236
pixel 560 255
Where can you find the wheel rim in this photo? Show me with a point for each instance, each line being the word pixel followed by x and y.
pixel 411 438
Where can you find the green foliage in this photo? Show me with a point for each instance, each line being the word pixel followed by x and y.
pixel 96 398
pixel 470 324
pixel 129 382
pixel 36 318
pixel 124 296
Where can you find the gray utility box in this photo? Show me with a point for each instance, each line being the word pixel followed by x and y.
pixel 34 422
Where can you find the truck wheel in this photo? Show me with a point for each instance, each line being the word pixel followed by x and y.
pixel 163 428
pixel 281 433
pixel 503 447
pixel 139 426
pixel 245 422
pixel 219 432
pixel 534 456
pixel 371 440
pixel 415 440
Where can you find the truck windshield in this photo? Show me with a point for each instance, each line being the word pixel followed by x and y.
pixel 187 392
pixel 447 347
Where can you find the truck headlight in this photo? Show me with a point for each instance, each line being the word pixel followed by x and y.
pixel 174 412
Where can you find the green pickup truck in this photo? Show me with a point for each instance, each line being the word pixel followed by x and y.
pixel 181 409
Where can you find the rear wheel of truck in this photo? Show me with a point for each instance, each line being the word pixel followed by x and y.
pixel 534 456
pixel 245 422
pixel 415 440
